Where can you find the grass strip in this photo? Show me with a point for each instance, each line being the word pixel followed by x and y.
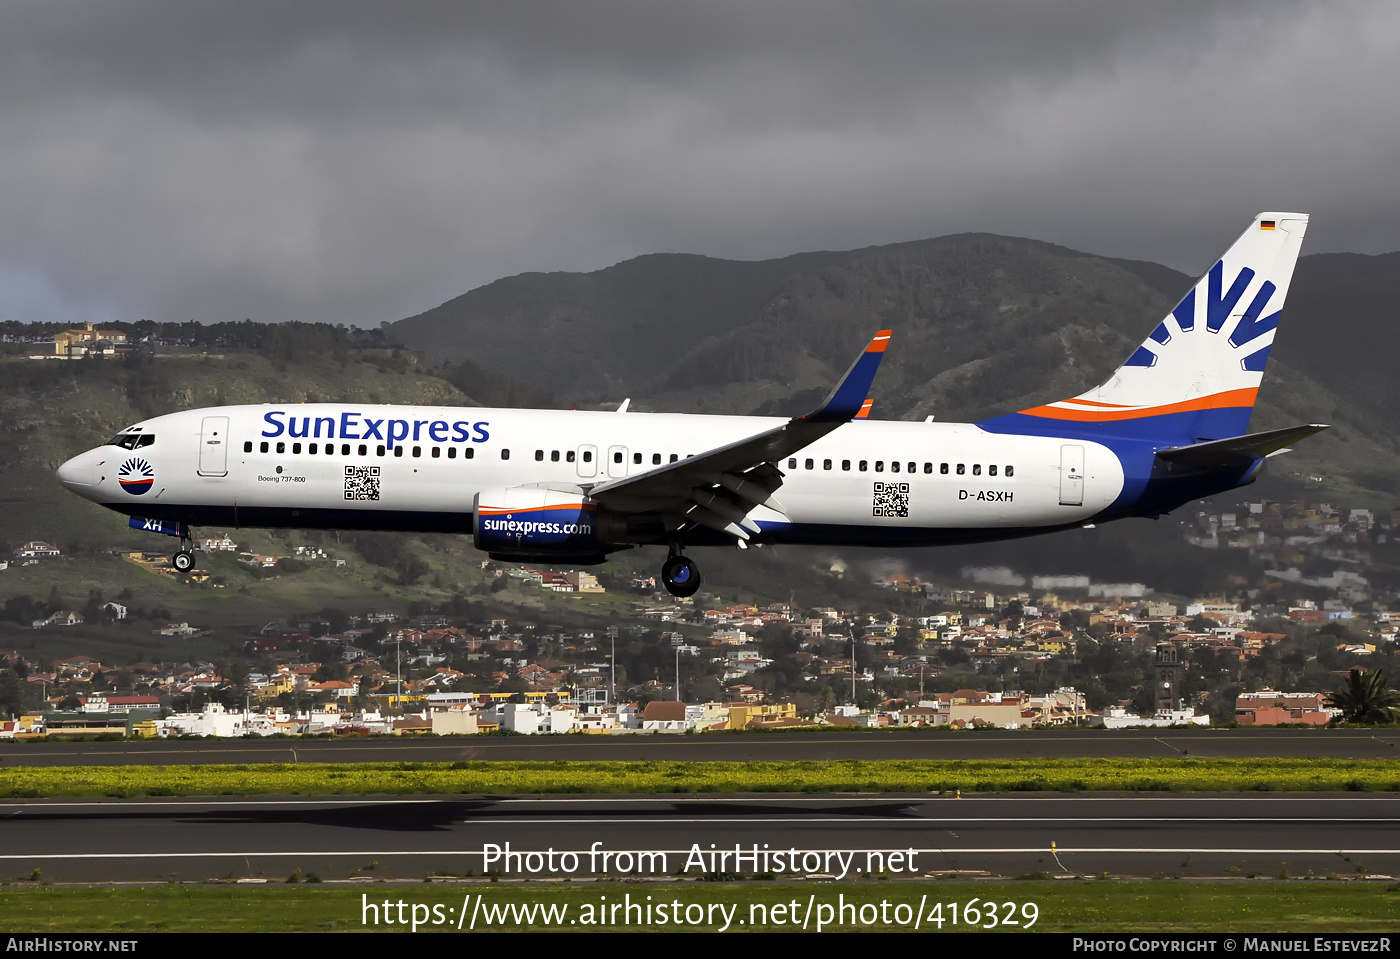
pixel 1063 906
pixel 517 778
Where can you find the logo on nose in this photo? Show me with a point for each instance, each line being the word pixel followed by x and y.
pixel 136 475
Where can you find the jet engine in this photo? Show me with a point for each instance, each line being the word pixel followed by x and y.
pixel 530 524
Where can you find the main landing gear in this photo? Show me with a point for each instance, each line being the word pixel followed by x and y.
pixel 679 575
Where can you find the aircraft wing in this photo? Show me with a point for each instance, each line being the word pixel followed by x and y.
pixel 720 487
pixel 1239 450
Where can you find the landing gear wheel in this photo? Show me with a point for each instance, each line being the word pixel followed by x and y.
pixel 680 576
pixel 183 561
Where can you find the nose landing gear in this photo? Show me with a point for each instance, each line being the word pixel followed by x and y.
pixel 680 576
pixel 182 561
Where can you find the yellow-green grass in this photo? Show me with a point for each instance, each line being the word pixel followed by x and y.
pixel 514 778
pixel 1064 906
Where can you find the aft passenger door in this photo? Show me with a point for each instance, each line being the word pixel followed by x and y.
pixel 1071 476
pixel 213 446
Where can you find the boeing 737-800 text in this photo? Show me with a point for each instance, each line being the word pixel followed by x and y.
pixel 1167 427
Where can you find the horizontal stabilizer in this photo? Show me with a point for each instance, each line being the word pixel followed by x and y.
pixel 1239 450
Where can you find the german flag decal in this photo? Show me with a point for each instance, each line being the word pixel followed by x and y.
pixel 1266 224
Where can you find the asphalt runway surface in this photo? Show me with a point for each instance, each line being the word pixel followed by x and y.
pixel 841 837
pixel 872 744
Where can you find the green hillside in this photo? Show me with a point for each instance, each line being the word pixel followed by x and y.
pixel 983 325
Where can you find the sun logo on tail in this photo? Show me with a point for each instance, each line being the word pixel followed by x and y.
pixel 1219 306
pixel 136 476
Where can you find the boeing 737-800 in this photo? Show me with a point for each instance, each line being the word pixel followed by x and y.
pixel 570 487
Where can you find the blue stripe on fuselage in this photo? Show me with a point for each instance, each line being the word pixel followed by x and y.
pixel 1148 489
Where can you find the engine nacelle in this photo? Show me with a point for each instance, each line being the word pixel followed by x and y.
pixel 529 524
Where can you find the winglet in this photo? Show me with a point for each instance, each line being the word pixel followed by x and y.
pixel 849 398
pixel 865 409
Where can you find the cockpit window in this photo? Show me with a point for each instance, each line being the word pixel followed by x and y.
pixel 132 441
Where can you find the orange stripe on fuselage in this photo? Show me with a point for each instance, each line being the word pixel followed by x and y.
pixel 498 511
pixel 1216 401
pixel 882 340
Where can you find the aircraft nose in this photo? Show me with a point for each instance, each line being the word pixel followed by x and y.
pixel 77 472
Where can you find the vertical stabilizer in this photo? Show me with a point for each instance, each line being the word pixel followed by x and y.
pixel 1197 374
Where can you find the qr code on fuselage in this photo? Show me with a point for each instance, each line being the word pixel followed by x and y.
pixel 891 499
pixel 362 482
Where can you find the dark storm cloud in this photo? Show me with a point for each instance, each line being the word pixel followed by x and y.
pixel 359 162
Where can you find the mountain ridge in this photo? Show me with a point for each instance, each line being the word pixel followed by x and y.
pixel 984 325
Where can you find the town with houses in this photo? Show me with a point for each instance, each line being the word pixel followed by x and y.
pixel 999 650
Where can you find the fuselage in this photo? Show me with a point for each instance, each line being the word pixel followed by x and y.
pixel 341 466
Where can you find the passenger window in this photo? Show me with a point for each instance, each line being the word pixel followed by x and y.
pixel 539 456
pixel 281 447
pixel 655 459
pixel 913 467
pixel 961 469
pixel 344 449
pixel 617 457
pixel 879 466
pixel 928 467
pixel 364 450
pixel 809 464
pixel 554 456
pixel 568 457
pixel 846 465
pixel 894 467
pixel 588 456
pixel 1011 471
pixel 674 458
pixel 992 470
pixel 976 469
pixel 417 451
pixel 468 453
pixel 437 452
pixel 248 446
pixel 311 449
pixel 943 469
pixel 398 451
pixel 863 466
pixel 826 464
pixel 296 448
pixel 505 454
pixel 792 464
pixel 379 451
pixel 636 459
pixel 452 452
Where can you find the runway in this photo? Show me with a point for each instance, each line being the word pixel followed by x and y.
pixel 862 744
pixel 829 837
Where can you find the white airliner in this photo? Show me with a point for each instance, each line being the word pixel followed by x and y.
pixel 547 486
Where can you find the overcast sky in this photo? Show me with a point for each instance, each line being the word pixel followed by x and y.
pixel 359 162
